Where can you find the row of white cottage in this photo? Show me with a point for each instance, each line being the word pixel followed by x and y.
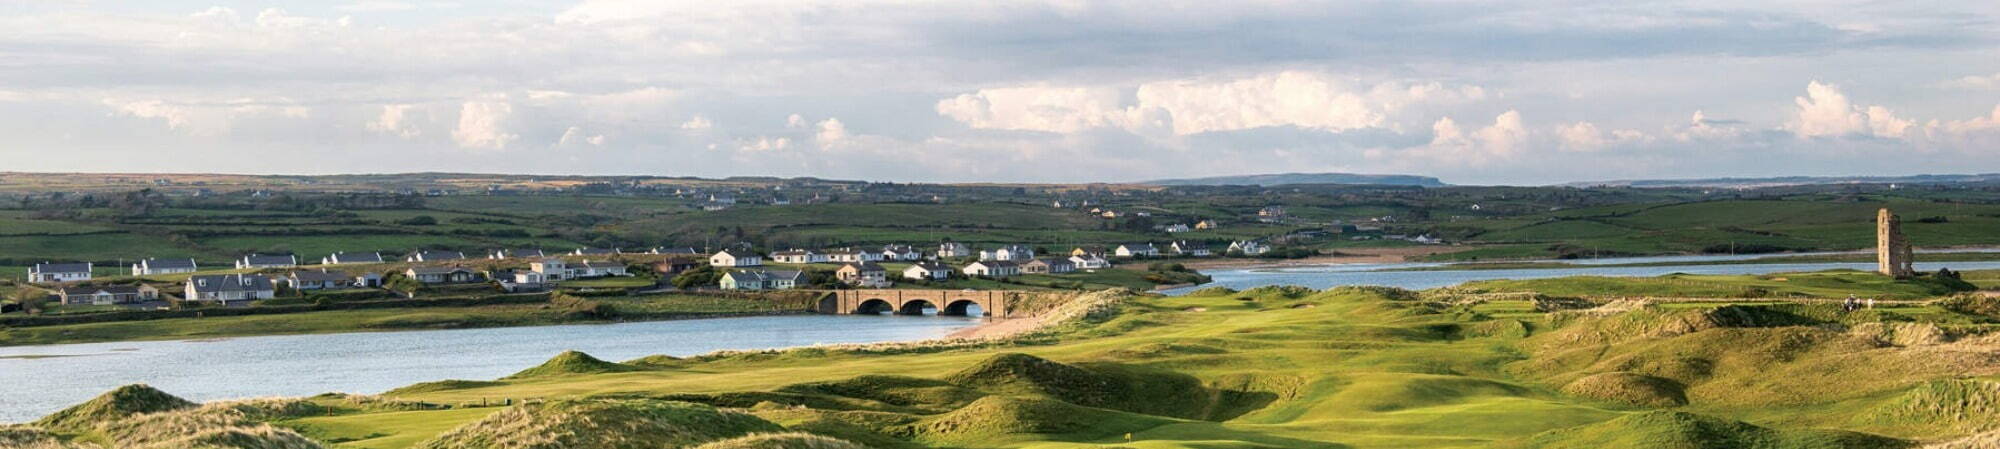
pixel 63 272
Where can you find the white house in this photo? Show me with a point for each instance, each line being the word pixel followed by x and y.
pixel 731 258
pixel 1089 262
pixel 441 275
pixel 1048 266
pixel 595 252
pixel 1136 250
pixel 225 288
pixel 1190 249
pixel 901 252
pixel 317 280
pixel 953 249
pixel 852 255
pixel 546 270
pixel 797 256
pixel 514 253
pixel 760 280
pixel 46 272
pixel 1248 247
pixel 163 266
pixel 1010 253
pixel 927 270
pixel 347 258
pixel 1178 228
pixel 675 251
pixel 434 256
pixel 260 261
pixel 992 268
pixel 589 269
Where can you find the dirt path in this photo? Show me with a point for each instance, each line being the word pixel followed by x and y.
pixel 1348 255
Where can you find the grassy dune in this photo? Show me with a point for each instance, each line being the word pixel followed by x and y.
pixel 1265 368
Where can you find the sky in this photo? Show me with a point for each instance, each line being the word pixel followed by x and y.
pixel 1473 92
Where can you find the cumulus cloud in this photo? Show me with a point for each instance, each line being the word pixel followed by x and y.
pixel 395 120
pixel 1826 112
pixel 1976 82
pixel 207 119
pixel 831 132
pixel 697 123
pixel 1183 107
pixel 482 125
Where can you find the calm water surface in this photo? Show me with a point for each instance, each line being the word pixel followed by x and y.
pixel 301 365
pixel 1324 276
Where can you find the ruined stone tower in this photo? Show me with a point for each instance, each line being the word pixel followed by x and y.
pixel 1892 252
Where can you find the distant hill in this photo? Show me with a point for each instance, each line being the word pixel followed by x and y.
pixel 1798 180
pixel 1303 178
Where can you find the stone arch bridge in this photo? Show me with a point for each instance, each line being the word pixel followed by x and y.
pixel 992 303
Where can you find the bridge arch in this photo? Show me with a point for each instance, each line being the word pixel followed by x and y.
pixel 993 304
pixel 873 307
pixel 915 307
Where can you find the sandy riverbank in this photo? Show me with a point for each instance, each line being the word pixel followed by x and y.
pixel 1347 255
pixel 999 328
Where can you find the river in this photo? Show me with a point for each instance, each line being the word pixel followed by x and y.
pixel 43 379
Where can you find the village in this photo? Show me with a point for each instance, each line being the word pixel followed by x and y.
pixel 253 278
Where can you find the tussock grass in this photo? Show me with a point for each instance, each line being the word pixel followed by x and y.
pixel 789 440
pixel 1679 430
pixel 1957 406
pixel 1630 389
pixel 443 385
pixel 996 419
pixel 123 402
pixel 601 424
pixel 572 362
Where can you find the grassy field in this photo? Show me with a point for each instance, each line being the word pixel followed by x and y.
pixel 1281 367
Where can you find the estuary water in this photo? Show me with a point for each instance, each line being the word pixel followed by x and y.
pixel 1394 274
pixel 43 379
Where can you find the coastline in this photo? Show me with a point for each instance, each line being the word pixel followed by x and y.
pixel 10 343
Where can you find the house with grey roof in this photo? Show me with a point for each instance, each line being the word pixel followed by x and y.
pixel 927 270
pixel 349 258
pixel 441 275
pixel 992 268
pixel 434 256
pixel 730 258
pixel 261 261
pixel 595 252
pixel 676 251
pixel 514 253
pixel 163 266
pixel 317 280
pixel 109 294
pixel 51 272
pixel 227 288
pixel 1136 250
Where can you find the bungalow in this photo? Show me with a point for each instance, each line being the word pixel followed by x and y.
pixel 1271 212
pixel 163 266
pixel 953 249
pixel 760 280
pixel 434 256
pixel 1088 251
pixel 368 280
pixel 224 288
pixel 348 258
pixel 441 275
pixel 1207 224
pixel 1177 228
pixel 1248 248
pixel 992 268
pixel 317 280
pixel 261 261
pixel 527 277
pixel 1010 253
pixel 797 256
pixel 594 252
pixel 1089 262
pixel 927 270
pixel 1048 266
pixel 863 274
pixel 675 251
pixel 110 294
pixel 590 269
pixel 901 252
pixel 46 272
pixel 845 255
pixel 674 266
pixel 732 258
pixel 1190 249
pixel 1136 250
pixel 516 253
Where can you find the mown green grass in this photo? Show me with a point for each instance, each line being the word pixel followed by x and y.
pixel 1822 284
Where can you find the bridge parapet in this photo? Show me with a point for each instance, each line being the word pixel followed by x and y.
pixel 992 303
